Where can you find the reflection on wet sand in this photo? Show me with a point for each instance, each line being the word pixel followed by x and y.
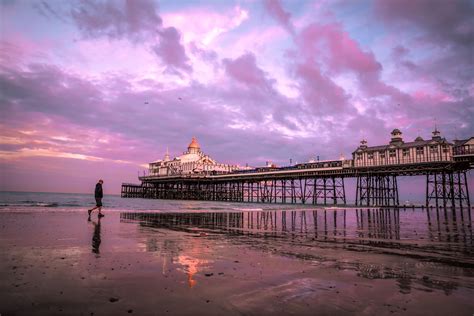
pixel 333 262
pixel 188 256
pixel 191 267
pixel 437 240
pixel 443 230
pixel 96 237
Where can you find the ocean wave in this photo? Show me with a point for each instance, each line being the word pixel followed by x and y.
pixel 34 204
pixel 246 209
pixel 203 208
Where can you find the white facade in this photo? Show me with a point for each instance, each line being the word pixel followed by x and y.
pixel 192 161
pixel 437 149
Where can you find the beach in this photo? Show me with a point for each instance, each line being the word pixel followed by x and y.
pixel 300 262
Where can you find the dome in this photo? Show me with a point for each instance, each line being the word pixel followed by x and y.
pixel 396 136
pixel 419 139
pixel 396 131
pixel 194 144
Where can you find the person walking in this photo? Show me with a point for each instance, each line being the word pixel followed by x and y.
pixel 98 199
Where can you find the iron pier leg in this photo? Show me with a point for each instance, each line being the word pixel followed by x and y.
pixel 467 193
pixel 427 184
pixel 444 189
pixel 357 190
pixel 343 191
pixel 451 191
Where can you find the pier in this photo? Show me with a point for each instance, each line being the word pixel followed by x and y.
pixel 445 166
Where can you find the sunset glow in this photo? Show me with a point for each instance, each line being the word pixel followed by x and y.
pixel 95 90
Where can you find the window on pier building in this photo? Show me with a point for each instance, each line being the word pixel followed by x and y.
pixel 392 153
pixel 382 154
pixel 419 151
pixel 406 152
pixel 433 148
pixel 445 148
pixel 359 156
pixel 370 155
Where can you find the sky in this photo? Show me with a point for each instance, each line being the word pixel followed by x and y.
pixel 97 89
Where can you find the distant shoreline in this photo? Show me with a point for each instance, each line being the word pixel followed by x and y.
pixel 39 192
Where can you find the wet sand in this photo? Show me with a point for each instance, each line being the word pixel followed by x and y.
pixel 247 263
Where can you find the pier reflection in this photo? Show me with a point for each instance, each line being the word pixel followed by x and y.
pixel 447 230
pixel 431 245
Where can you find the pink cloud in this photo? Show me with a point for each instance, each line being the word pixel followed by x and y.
pixel 204 25
pixel 275 9
pixel 16 48
pixel 341 52
pixel 244 69
pixel 171 51
pixel 205 54
pixel 320 92
pixel 331 50
pixel 260 41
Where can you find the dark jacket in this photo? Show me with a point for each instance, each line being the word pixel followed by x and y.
pixel 98 191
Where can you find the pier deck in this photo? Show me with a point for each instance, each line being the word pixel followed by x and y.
pixel 446 185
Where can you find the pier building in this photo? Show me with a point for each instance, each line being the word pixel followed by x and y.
pixel 192 161
pixel 397 151
pixel 463 147
pixel 195 176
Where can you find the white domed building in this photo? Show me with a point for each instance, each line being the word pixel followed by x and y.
pixel 192 161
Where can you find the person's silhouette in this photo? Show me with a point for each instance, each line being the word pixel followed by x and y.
pixel 98 194
pixel 96 237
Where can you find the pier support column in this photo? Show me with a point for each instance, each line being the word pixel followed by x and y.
pixel 447 189
pixel 329 190
pixel 377 190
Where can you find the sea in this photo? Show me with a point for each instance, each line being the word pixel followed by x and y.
pixel 43 201
pixel 47 201
pixel 447 229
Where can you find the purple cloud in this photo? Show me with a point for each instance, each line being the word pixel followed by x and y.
pixel 170 50
pixel 275 9
pixel 137 21
pixel 134 20
pixel 244 69
pixel 439 22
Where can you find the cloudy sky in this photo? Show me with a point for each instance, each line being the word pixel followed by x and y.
pixel 97 89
